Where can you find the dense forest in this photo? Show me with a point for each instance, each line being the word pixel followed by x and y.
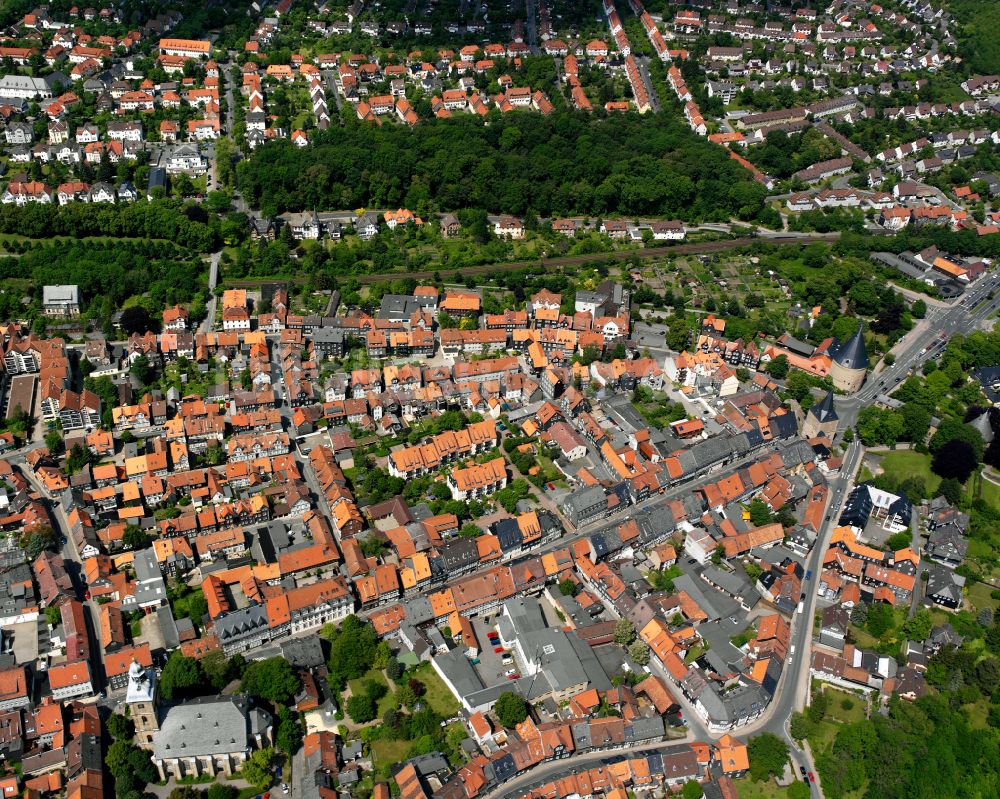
pixel 977 33
pixel 521 162
pixel 189 225
pixel 108 274
pixel 921 749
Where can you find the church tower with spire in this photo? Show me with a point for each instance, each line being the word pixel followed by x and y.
pixel 822 419
pixel 142 702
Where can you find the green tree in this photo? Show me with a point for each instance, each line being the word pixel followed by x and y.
pixel 116 758
pixel 568 587
pixel 186 792
pixel 288 738
pixel 799 790
pixel 624 632
pixel 918 309
pixel 272 679
pixel 678 332
pixel 219 790
pixel 760 513
pixel 218 669
pixel 470 530
pixel 54 441
pixel 78 457
pixel 257 768
pixel 406 696
pixel 777 367
pixel 214 454
pixel 899 540
pixel 510 709
pixel 800 726
pixel 880 619
pixel 638 651
pixel 951 490
pixel 692 790
pixel 142 370
pixel 383 653
pixel 352 650
pixel 880 426
pixel 768 755
pixel 918 626
pixel 181 677
pixel 119 727
pixel 134 537
pixel 361 708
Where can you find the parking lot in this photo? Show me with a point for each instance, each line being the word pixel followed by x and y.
pixel 490 668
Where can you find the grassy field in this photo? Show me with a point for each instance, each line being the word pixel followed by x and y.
pixel 900 464
pixel 980 487
pixel 438 696
pixel 388 752
pixel 841 714
pixel 358 687
pixel 748 789
pixel 979 596
pixel 862 638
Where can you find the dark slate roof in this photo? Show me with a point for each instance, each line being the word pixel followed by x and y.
pixel 240 622
pixel 825 410
pixel 783 425
pixel 852 354
pixel 303 652
pixel 982 424
pixel 459 552
pixel 509 534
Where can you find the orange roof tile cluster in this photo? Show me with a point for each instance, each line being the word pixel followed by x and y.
pixel 442 448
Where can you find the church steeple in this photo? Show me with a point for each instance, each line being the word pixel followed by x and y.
pixel 142 701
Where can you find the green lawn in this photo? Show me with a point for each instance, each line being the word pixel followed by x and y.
pixel 979 596
pixel 438 696
pixel 862 638
pixel 838 713
pixel 389 752
pixel 823 735
pixel 903 463
pixel 981 487
pixel 358 687
pixel 748 789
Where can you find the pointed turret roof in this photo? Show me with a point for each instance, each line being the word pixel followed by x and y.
pixel 824 410
pixel 852 354
pixel 982 424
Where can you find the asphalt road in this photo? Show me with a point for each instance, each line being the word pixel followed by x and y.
pixel 556 769
pixel 793 686
pixel 213 278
